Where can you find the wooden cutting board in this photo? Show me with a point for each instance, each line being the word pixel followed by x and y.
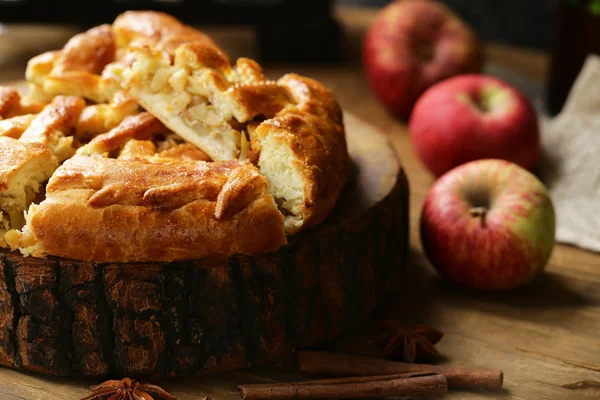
pixel 70 318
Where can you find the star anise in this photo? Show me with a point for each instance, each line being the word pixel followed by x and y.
pixel 128 389
pixel 410 343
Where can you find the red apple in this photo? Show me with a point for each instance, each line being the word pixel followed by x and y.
pixel 488 224
pixel 411 45
pixel 471 117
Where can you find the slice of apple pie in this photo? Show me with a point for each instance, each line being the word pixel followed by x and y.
pixel 293 126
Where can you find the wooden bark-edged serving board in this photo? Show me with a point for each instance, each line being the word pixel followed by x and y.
pixel 72 318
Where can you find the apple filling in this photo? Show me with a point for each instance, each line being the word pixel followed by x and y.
pixel 181 101
pixel 218 109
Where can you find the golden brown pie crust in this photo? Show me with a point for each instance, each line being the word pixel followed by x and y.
pixel 99 209
pixel 143 102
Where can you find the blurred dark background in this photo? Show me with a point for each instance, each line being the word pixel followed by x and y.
pixel 526 23
pixel 306 31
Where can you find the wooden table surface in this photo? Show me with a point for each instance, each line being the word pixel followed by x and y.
pixel 545 336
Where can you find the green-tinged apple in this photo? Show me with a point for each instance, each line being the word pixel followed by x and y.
pixel 411 45
pixel 471 117
pixel 488 224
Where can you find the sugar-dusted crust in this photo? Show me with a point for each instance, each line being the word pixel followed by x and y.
pixel 101 209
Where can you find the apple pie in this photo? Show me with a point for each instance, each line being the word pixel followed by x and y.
pixel 156 147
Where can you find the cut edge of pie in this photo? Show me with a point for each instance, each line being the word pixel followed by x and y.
pixel 24 167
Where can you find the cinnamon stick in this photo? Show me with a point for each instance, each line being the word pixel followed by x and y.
pixel 352 379
pixel 337 364
pixel 412 384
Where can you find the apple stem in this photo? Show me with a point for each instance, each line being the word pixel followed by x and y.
pixel 479 212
